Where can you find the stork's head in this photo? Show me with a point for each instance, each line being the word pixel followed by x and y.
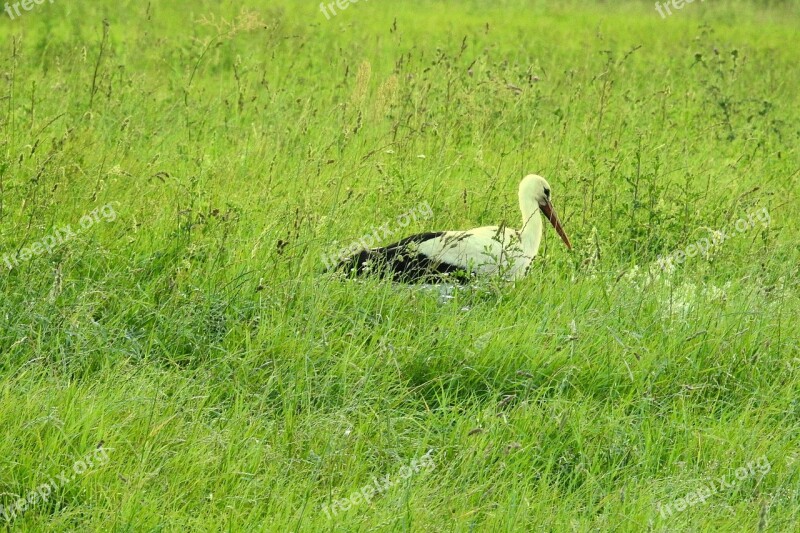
pixel 535 189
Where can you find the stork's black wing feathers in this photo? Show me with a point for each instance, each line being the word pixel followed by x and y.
pixel 401 262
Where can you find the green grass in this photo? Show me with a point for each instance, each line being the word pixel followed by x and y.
pixel 235 387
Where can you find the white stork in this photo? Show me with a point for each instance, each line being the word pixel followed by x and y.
pixel 460 255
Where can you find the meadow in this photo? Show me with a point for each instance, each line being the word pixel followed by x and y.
pixel 173 177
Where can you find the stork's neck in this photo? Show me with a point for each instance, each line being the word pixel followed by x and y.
pixel 531 231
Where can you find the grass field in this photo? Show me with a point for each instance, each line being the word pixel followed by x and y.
pixel 174 175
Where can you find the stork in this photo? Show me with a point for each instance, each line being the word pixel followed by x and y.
pixel 462 255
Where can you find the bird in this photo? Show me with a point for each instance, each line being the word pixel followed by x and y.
pixel 462 256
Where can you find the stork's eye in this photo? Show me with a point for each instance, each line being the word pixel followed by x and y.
pixel 547 192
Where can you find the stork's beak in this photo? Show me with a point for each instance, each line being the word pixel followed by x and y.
pixel 549 212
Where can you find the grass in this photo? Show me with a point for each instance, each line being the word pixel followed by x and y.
pixel 193 339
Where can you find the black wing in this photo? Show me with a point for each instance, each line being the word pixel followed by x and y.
pixel 401 261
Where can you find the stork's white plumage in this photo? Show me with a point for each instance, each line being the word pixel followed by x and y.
pixel 488 250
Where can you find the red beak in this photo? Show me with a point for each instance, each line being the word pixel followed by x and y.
pixel 550 213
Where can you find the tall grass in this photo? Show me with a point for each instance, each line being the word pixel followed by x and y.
pixel 234 386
